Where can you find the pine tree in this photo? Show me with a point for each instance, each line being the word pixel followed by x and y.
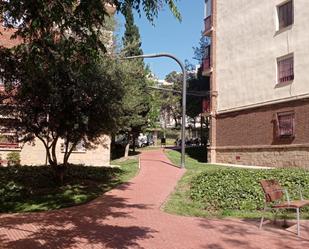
pixel 199 52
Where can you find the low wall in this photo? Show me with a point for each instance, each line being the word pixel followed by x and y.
pixel 272 156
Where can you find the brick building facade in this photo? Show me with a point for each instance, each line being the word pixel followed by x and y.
pixel 258 64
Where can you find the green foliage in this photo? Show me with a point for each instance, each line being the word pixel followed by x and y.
pixel 136 100
pixel 150 7
pixel 131 40
pixel 199 52
pixel 239 189
pixel 13 158
pixel 169 133
pixel 171 101
pixel 153 115
pixel 181 202
pixel 32 188
pixel 197 84
pixel 62 83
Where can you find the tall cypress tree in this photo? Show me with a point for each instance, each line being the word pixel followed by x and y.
pixel 136 100
pixel 131 39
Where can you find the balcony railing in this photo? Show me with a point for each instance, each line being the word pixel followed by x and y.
pixel 207 59
pixel 208 24
pixel 9 145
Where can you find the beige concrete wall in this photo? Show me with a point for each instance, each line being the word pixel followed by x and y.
pixel 288 156
pixel 34 154
pixel 248 44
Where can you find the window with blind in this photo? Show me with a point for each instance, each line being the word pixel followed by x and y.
pixel 285 69
pixel 285 14
pixel 9 140
pixel 285 124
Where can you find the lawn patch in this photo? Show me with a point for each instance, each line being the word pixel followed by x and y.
pixel 217 191
pixel 33 188
pixel 239 189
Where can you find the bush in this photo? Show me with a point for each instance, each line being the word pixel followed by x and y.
pixel 239 189
pixel 169 133
pixel 13 159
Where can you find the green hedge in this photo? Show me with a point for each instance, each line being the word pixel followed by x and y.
pixel 239 189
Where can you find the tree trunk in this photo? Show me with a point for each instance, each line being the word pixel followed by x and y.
pixel 60 171
pixel 133 142
pixel 126 150
pixel 202 129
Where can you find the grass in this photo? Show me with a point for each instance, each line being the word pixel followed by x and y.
pixel 180 202
pixel 28 189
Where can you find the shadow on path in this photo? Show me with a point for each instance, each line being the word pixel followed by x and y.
pixel 160 161
pixel 66 228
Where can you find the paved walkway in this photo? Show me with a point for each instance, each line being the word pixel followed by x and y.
pixel 130 217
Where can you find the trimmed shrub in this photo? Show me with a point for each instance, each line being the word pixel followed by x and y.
pixel 239 189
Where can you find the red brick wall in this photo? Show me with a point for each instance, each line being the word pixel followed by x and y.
pixel 256 126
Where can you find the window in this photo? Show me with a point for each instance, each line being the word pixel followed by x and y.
pixel 285 124
pixel 8 140
pixel 208 9
pixel 285 69
pixel 285 14
pixel 79 147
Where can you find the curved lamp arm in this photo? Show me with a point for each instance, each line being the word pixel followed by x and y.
pixel 184 96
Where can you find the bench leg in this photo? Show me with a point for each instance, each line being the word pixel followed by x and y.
pixel 262 219
pixel 298 225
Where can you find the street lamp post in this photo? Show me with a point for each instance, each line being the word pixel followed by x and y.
pixel 184 96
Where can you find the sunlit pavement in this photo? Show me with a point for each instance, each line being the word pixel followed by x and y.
pixel 130 217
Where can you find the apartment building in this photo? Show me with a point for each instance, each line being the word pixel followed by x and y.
pixel 258 64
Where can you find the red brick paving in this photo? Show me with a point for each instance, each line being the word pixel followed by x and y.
pixel 130 217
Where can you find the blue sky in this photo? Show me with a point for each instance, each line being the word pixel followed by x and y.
pixel 171 36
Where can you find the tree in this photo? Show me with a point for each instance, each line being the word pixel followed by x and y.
pixel 136 101
pixel 199 52
pixel 131 39
pixel 59 82
pixel 153 115
pixel 150 7
pixel 171 101
pixel 199 85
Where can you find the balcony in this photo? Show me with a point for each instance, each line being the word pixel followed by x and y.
pixel 207 66
pixel 9 145
pixel 208 25
pixel 206 107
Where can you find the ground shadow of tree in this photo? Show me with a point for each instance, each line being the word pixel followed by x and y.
pixel 244 233
pixel 117 152
pixel 198 153
pixel 84 226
